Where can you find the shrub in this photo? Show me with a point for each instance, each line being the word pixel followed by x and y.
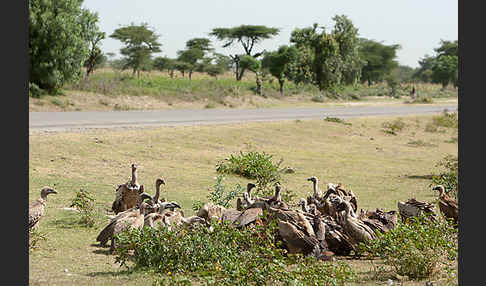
pixel 85 204
pixel 337 120
pixel 448 120
pixel 252 165
pixel 225 256
pixel 394 126
pixel 449 177
pixel 416 249
pixel 35 237
pixel 219 196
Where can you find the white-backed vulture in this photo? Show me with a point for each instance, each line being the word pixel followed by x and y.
pixel 309 208
pixel 447 205
pixel 317 194
pixel 36 208
pixel 296 217
pixel 248 216
pixel 211 211
pixel 379 220
pixel 134 219
pixel 413 208
pixel 158 183
pixel 296 240
pixel 128 194
pixel 354 227
pixel 242 204
pixel 107 232
pixel 336 239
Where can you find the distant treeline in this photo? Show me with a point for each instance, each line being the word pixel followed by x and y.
pixel 64 49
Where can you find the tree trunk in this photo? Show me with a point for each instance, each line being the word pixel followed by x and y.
pixel 171 74
pixel 190 75
pixel 240 75
pixel 281 83
pixel 259 86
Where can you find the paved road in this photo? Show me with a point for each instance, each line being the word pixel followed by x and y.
pixel 64 121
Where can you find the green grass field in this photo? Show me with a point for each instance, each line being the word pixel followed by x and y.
pixel 380 168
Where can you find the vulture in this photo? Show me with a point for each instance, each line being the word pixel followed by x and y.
pixel 337 189
pixel 295 217
pixel 123 218
pixel 247 200
pixel 248 216
pixel 447 205
pixel 317 195
pixel 158 183
pixel 276 199
pixel 36 209
pixel 337 240
pixel 134 219
pixel 414 208
pixel 353 226
pixel 231 215
pixel 211 211
pixel 174 218
pixel 309 208
pixel 297 240
pixel 379 220
pixel 128 194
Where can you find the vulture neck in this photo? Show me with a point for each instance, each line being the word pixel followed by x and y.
pixel 134 176
pixel 316 189
pixel 157 192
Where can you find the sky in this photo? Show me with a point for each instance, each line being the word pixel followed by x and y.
pixel 416 25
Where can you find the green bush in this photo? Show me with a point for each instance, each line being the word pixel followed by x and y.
pixel 252 165
pixel 446 119
pixel 220 196
pixel 225 256
pixel 449 177
pixel 392 127
pixel 416 249
pixel 84 202
pixel 337 120
pixel 35 236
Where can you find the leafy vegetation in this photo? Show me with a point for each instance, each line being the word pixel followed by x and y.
pixel 449 177
pixel 35 236
pixel 336 120
pixel 252 165
pixel 392 127
pixel 225 256
pixel 417 248
pixel 84 203
pixel 59 36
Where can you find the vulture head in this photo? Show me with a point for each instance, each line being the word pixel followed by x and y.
pixel 313 179
pixel 46 191
pixel 249 187
pixel 439 188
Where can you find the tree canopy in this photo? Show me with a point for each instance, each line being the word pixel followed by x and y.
pixel 248 36
pixel 379 60
pixel 276 62
pixel 59 34
pixel 140 42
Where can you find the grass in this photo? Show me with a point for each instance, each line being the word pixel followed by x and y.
pixel 108 89
pixel 380 172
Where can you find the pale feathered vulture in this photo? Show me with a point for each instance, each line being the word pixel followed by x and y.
pixel 36 208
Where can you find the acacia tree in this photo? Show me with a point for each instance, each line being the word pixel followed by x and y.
pixel 58 45
pixel 140 42
pixel 277 62
pixel 379 58
pixel 248 36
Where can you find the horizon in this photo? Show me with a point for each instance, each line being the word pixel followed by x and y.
pixel 417 31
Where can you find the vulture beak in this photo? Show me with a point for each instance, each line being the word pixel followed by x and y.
pixel 52 191
pixel 309 179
